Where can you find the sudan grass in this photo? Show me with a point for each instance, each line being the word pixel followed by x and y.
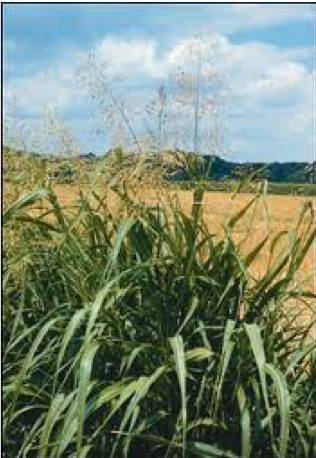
pixel 139 334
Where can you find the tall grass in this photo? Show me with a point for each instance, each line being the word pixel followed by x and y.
pixel 140 334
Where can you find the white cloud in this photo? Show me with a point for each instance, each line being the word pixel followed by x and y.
pixel 130 56
pixel 50 86
pixel 271 87
pixel 289 83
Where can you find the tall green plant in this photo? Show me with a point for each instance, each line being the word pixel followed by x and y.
pixel 146 336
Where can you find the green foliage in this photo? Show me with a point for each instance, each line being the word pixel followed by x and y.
pixel 119 152
pixel 293 189
pixel 63 173
pixel 142 335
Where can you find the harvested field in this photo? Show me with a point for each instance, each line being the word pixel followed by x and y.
pixel 273 214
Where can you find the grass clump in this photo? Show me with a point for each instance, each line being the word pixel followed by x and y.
pixel 140 334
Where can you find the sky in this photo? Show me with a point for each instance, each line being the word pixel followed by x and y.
pixel 263 55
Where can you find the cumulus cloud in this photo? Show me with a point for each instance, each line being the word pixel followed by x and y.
pixel 133 56
pixel 261 72
pixel 52 86
pixel 270 87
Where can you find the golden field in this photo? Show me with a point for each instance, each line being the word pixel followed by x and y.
pixel 272 215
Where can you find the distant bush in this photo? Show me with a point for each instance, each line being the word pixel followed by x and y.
pixel 63 174
pixel 293 189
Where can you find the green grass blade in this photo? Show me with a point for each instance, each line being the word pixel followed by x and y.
pixel 28 361
pixel 245 424
pixel 198 354
pixel 256 343
pixel 237 217
pixel 25 201
pixel 141 389
pixel 58 405
pixel 227 350
pixel 179 358
pixel 193 307
pixel 283 399
pixel 298 356
pixel 69 333
pixel 204 450
pixel 85 373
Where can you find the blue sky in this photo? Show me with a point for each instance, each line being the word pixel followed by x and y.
pixel 263 52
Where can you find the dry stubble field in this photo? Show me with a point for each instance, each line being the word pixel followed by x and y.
pixel 275 214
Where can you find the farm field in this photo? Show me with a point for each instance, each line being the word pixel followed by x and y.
pixel 273 214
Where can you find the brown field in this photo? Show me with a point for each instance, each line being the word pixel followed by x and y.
pixel 272 215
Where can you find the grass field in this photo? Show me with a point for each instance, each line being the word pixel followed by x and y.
pixel 144 323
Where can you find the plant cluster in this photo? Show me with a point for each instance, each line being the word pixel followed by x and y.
pixel 140 334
